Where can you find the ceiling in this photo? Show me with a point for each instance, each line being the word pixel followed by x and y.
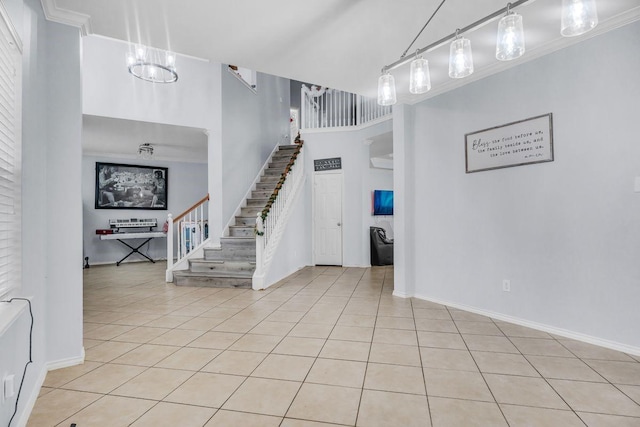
pixel 341 44
pixel 108 137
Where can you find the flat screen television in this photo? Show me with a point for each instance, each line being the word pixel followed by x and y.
pixel 383 202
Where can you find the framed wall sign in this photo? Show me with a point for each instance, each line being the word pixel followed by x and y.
pixel 327 164
pixel 121 186
pixel 513 144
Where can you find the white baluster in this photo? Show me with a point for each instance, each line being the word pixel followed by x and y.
pixel 169 242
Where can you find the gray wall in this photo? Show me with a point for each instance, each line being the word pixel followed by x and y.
pixel 252 125
pixel 187 184
pixel 566 233
pixel 52 205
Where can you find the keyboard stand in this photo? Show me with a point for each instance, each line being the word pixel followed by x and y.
pixel 121 237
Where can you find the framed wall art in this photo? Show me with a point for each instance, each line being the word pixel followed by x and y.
pixel 120 186
pixel 513 144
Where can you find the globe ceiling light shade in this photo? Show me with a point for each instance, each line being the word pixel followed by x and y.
pixel 578 17
pixel 152 65
pixel 386 89
pixel 460 58
pixel 419 77
pixel 145 151
pixel 510 44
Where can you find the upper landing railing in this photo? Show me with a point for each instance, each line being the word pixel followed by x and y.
pixel 330 108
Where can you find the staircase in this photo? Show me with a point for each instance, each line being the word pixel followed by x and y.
pixel 233 264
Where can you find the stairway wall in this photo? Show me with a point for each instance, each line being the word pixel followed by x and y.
pixel 294 250
pixel 252 125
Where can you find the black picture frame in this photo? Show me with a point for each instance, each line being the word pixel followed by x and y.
pixel 122 186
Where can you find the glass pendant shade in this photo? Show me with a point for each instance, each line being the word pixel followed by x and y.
pixel 578 17
pixel 141 53
pixel 386 90
pixel 170 60
pixel 510 44
pixel 460 59
pixel 419 78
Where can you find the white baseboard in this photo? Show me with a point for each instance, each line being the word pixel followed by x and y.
pixel 402 294
pixel 31 401
pixel 65 363
pixel 42 375
pixel 613 345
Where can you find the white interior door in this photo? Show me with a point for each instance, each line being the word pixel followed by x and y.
pixel 327 196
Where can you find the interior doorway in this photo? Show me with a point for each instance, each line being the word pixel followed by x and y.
pixel 327 218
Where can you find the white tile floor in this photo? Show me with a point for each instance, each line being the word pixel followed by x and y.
pixel 327 346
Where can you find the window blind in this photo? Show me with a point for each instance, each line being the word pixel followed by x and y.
pixel 10 155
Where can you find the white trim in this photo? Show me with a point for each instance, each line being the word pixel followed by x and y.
pixel 42 375
pixel 347 128
pixel 243 81
pixel 31 401
pixel 66 363
pixel 68 17
pixel 183 264
pixel 9 312
pixel 313 212
pixel 539 326
pixel 533 53
pixel 402 294
pixel 10 27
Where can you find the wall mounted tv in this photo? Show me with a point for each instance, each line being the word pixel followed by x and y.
pixel 383 202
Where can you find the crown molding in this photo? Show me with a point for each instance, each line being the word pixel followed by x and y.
pixel 67 17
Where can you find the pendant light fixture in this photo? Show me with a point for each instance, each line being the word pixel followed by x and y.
pixel 578 17
pixel 386 89
pixel 152 65
pixel 419 77
pixel 460 58
pixel 510 44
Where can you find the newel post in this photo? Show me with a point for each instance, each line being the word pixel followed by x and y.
pixel 169 273
pixel 259 244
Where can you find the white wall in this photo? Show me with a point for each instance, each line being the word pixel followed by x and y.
pixel 109 89
pixel 252 125
pixel 566 233
pixel 294 249
pixel 187 183
pixel 52 272
pixel 358 181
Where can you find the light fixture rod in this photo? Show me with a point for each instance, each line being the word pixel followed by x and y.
pixel 425 26
pixel 402 61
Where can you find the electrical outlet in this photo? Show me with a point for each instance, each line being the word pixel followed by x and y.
pixel 506 285
pixel 8 388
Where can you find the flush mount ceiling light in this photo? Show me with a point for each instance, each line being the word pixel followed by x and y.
pixel 578 17
pixel 152 65
pixel 145 151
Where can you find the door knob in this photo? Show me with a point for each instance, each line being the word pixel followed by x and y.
pixel 339 224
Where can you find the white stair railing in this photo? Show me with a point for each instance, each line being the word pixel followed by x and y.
pixel 270 223
pixel 190 229
pixel 330 108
